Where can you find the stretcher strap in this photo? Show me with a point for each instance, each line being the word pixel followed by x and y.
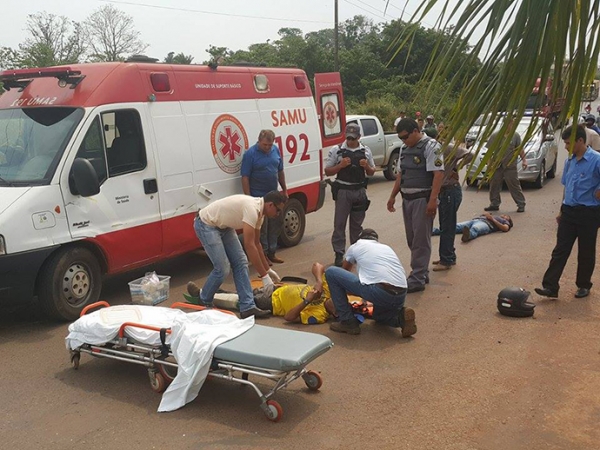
pixel 164 348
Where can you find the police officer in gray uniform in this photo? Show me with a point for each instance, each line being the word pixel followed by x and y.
pixel 420 176
pixel 350 162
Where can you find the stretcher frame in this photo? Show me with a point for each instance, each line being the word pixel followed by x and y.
pixel 162 366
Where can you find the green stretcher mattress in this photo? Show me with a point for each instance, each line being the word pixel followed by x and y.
pixel 273 348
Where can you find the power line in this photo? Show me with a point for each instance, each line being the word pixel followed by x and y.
pixel 366 10
pixel 281 19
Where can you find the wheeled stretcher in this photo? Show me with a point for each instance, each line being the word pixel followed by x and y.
pixel 277 355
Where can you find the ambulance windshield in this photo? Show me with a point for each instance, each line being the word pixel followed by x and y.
pixel 32 141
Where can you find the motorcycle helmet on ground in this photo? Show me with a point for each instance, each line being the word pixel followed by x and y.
pixel 512 301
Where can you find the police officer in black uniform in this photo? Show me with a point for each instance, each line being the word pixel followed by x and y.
pixel 420 176
pixel 350 162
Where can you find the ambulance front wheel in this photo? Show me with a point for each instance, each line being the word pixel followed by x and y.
pixel 69 280
pixel 294 222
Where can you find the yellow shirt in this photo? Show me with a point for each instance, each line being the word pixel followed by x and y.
pixel 287 297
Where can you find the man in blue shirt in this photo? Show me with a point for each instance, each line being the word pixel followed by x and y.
pixel 579 216
pixel 262 169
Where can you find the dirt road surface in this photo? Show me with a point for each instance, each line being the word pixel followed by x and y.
pixel 469 379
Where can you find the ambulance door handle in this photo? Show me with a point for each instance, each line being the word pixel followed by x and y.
pixel 150 186
pixel 204 191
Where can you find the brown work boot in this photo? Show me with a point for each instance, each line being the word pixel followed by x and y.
pixel 193 289
pixel 466 234
pixel 406 317
pixel 351 326
pixel 274 259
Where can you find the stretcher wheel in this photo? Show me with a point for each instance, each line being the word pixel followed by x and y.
pixel 274 411
pixel 157 382
pixel 168 372
pixel 313 380
pixel 75 357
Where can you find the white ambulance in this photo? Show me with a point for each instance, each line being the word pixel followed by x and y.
pixel 103 166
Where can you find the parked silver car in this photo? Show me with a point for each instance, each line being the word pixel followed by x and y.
pixel 541 152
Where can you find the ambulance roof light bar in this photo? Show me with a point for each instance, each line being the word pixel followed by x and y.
pixel 21 78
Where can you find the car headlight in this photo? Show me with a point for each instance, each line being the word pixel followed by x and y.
pixel 533 152
pixel 2 245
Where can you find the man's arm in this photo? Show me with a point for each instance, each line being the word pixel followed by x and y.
pixel 438 178
pixel 365 165
pixel 345 162
pixel 246 185
pixel 318 270
pixel 281 178
pixel 293 315
pixel 393 194
pixel 523 158
pixel 501 226
pixel 254 251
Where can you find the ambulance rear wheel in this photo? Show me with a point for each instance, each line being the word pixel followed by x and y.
pixel 294 222
pixel 69 280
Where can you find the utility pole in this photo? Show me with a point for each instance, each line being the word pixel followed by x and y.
pixel 336 42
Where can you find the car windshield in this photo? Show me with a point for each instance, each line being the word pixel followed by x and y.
pixel 32 141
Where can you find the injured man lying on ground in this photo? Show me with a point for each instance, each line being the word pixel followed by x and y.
pixel 294 302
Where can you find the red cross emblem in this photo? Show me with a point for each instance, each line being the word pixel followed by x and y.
pixel 331 115
pixel 228 140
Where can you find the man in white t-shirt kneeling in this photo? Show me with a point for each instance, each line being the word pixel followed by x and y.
pixel 381 280
pixel 216 226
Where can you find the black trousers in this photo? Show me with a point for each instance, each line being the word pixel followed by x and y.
pixel 576 223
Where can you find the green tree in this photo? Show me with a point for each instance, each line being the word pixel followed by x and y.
pixel 53 40
pixel 178 58
pixel 552 40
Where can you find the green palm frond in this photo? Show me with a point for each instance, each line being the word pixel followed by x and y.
pixel 520 41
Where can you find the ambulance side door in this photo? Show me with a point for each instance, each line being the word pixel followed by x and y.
pixel 330 108
pixel 124 218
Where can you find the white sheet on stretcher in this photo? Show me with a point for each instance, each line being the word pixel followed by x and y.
pixel 193 338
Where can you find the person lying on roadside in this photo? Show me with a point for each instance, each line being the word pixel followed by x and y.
pixel 300 303
pixel 480 226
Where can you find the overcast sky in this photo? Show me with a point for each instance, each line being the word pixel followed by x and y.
pixel 189 26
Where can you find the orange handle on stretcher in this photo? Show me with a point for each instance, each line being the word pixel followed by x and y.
pixel 85 310
pixel 139 325
pixel 198 307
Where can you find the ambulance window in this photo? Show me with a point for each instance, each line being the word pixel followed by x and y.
pixel 125 149
pixel 369 127
pixel 92 149
pixel 330 110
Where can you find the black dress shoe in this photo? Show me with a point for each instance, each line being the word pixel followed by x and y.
pixel 546 292
pixel 492 208
pixel 339 259
pixel 582 292
pixel 256 312
pixel 415 288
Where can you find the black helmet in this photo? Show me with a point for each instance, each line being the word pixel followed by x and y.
pixel 512 301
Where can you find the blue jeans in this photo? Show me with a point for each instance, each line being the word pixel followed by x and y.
pixel 477 227
pixel 450 199
pixel 225 252
pixel 269 234
pixel 385 305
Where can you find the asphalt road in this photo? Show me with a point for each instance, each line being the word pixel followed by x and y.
pixel 469 379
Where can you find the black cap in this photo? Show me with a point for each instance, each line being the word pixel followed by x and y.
pixel 369 233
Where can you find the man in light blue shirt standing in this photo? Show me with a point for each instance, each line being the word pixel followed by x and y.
pixel 262 169
pixel 579 217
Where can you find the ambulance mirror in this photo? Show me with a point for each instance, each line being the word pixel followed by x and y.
pixel 84 178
